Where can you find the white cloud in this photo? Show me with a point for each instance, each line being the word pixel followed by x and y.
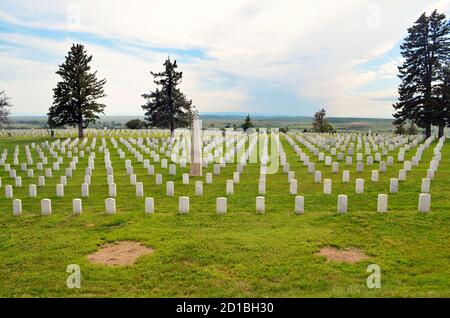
pixel 311 48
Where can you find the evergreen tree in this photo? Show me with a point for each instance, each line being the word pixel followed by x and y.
pixel 75 97
pixel 247 123
pixel 445 97
pixel 412 129
pixel 167 106
pixel 424 49
pixel 400 128
pixel 135 124
pixel 320 124
pixel 440 41
pixel 5 106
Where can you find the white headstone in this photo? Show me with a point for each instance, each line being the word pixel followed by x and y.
pixel 77 206
pixel 293 186
pixel 260 205
pixel 139 189
pixel 133 179
pixel 424 202
pixel 317 176
pixel 236 177
pixel 229 187
pixel 9 191
pixel 393 185
pixel 185 178
pixel 17 207
pixel 110 179
pixel 149 205
pixel 199 188
pixel 46 207
pixel 299 205
pixel 374 176
pixel 425 185
pixel 359 188
pixel 327 186
pixel 209 178
pixel 32 191
pixel 402 175
pixel 85 190
pixel 382 203
pixel 170 188
pixel 158 179
pixel 110 205
pixel 221 205
pixel 60 190
pixel 342 203
pixel 262 187
pixel 112 189
pixel 345 176
pixel 183 205
pixel 173 170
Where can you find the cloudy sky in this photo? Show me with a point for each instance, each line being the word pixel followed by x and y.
pixel 287 57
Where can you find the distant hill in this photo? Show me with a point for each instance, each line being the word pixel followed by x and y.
pixel 220 120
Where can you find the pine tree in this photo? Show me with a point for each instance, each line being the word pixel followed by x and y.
pixel 5 105
pixel 440 42
pixel 445 95
pixel 75 97
pixel 412 129
pixel 247 123
pixel 400 128
pixel 320 124
pixel 167 106
pixel 424 51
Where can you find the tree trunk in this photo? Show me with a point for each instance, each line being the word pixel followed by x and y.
pixel 80 131
pixel 172 129
pixel 428 130
pixel 441 131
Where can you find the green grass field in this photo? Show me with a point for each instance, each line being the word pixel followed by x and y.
pixel 241 254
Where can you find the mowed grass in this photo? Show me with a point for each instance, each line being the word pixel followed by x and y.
pixel 241 254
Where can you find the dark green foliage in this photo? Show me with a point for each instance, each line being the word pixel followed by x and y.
pixel 320 124
pixel 412 129
pixel 135 124
pixel 5 105
pixel 167 106
pixel 75 96
pixel 399 128
pixel 425 50
pixel 247 123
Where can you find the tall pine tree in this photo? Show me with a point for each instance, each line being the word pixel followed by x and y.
pixel 75 96
pixel 444 92
pixel 5 105
pixel 167 106
pixel 440 43
pixel 424 51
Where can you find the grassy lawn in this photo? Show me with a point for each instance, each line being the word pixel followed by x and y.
pixel 240 254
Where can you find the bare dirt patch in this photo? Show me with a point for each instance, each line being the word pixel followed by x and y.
pixel 119 253
pixel 349 255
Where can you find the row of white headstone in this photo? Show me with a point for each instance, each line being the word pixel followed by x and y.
pixel 221 205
